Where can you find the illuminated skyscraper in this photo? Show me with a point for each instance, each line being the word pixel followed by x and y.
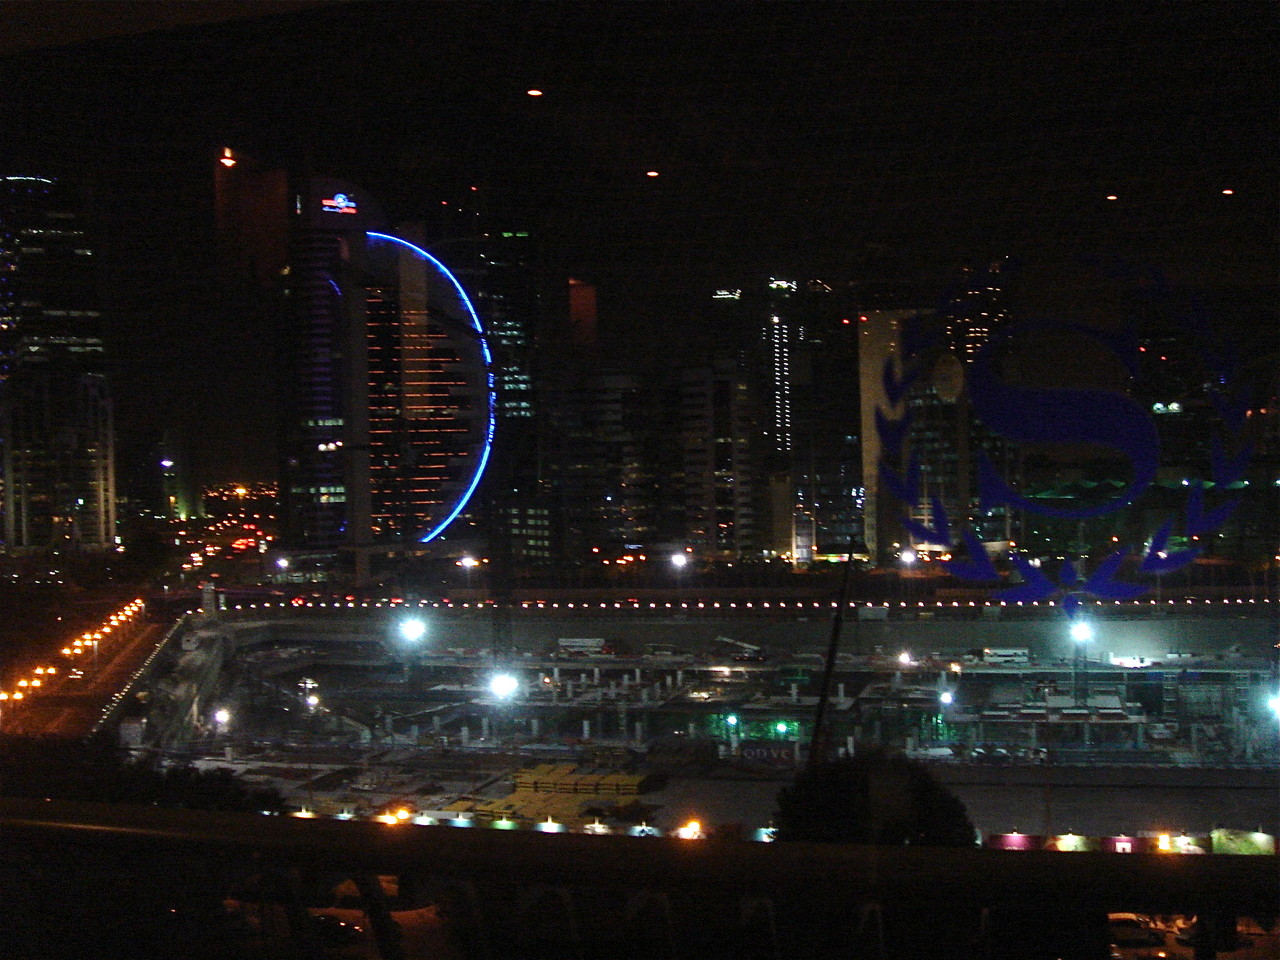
pixel 55 408
pixel 392 400
pixel 722 488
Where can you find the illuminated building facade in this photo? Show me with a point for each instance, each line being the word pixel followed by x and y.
pixel 721 486
pixel 392 406
pixel 879 342
pixel 604 468
pixel 55 407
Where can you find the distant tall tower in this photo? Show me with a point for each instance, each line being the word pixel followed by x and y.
pixel 55 408
pixel 974 308
pixel 392 406
pixel 879 342
pixel 722 489
pixel 776 346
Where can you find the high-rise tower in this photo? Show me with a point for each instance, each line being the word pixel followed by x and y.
pixel 55 407
pixel 392 403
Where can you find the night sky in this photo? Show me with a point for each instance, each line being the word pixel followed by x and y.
pixel 857 141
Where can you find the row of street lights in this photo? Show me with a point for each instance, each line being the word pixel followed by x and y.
pixel 26 686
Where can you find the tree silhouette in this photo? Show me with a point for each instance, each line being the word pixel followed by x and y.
pixel 872 798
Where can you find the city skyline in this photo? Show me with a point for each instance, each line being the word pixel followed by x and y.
pixel 859 142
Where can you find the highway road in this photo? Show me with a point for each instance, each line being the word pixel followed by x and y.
pixel 70 706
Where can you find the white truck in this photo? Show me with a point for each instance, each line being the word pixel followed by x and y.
pixel 583 647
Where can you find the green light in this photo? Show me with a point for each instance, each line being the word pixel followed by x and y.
pixel 781 727
pixel 731 720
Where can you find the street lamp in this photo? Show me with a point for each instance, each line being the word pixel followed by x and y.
pixel 503 686
pixel 1081 633
pixel 413 629
pixel 678 562
pixel 908 558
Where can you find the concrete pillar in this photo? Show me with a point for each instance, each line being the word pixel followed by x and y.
pixel 679 678
pixel 555 674
pixel 466 735
pixel 533 726
pixel 582 678
pixel 568 689
pixel 484 727
pixel 637 674
pixel 639 737
pixel 840 690
pixel 644 694
pixel 795 692
pixel 693 732
pixel 596 672
pixel 586 729
pixel 613 689
pixel 435 723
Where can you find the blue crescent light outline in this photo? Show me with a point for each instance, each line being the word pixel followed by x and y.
pixel 492 389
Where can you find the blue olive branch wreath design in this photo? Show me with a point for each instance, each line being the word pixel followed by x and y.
pixel 970 560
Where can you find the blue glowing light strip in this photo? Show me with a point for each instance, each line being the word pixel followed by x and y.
pixel 492 389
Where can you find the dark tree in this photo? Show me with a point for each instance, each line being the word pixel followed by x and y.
pixel 75 770
pixel 872 798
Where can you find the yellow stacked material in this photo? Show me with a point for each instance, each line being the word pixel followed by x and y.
pixel 587 784
pixel 531 777
pixel 609 783
pixel 629 783
pixel 460 805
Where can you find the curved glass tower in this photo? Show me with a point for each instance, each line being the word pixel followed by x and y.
pixel 392 394
pixel 431 392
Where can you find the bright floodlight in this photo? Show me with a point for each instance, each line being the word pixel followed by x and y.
pixel 1081 632
pixel 904 658
pixel 412 629
pixel 503 685
pixel 908 557
pixel 947 697
pixel 222 716
pixel 679 559
pixel 1274 704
